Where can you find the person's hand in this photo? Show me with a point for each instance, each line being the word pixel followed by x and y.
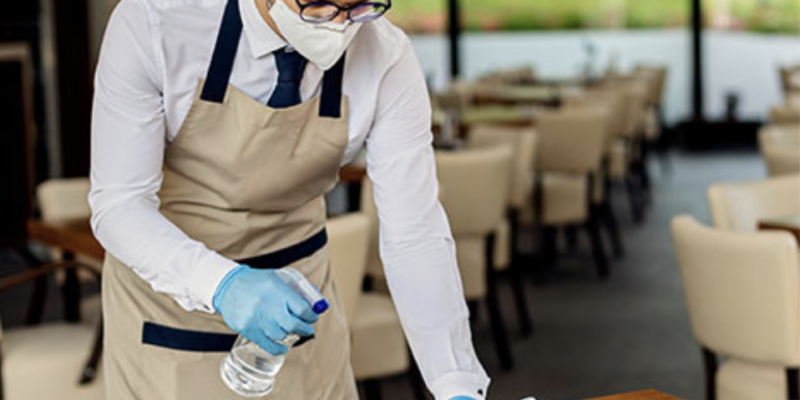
pixel 258 305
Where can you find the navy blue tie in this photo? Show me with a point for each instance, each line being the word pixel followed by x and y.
pixel 291 66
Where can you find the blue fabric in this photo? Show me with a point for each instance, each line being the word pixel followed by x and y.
pixel 186 340
pixel 289 255
pixel 258 305
pixel 462 398
pixel 221 66
pixel 291 66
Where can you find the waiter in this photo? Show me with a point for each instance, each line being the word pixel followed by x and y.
pixel 218 127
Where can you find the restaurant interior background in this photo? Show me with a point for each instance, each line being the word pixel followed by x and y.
pixel 699 93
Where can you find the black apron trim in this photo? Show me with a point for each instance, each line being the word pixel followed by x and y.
pixel 196 341
pixel 221 66
pixel 186 340
pixel 330 105
pixel 289 255
pixel 219 71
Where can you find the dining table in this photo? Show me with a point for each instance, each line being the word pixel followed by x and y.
pixel 786 223
pixel 640 395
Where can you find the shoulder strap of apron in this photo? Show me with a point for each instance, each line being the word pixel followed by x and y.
pixel 221 67
pixel 219 71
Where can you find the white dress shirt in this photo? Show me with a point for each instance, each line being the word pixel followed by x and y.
pixel 153 54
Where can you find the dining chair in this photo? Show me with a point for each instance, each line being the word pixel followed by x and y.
pixel 785 114
pixel 378 348
pixel 46 361
pixel 571 145
pixel 627 153
pixel 508 256
pixel 742 291
pixel 475 186
pixel 740 206
pixel 614 104
pixel 780 148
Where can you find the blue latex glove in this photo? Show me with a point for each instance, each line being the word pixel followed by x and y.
pixel 463 398
pixel 258 305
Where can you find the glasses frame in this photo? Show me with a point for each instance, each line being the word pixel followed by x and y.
pixel 387 5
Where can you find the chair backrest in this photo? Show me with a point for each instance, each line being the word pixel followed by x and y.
pixel 374 265
pixel 780 147
pixel 475 186
pixel 742 291
pixel 785 114
pixel 64 199
pixel 739 206
pixel 523 141
pixel 615 103
pixel 348 240
pixel 572 139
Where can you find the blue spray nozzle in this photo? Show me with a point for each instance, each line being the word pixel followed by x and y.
pixel 321 306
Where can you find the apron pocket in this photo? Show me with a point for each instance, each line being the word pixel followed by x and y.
pixel 186 340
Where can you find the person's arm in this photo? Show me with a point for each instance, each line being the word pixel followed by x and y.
pixel 416 245
pixel 128 143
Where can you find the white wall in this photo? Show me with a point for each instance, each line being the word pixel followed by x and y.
pixel 744 62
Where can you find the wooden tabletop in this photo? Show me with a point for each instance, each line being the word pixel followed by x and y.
pixel 789 223
pixel 70 236
pixel 643 395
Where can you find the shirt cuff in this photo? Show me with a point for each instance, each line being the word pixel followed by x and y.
pixel 208 275
pixel 456 384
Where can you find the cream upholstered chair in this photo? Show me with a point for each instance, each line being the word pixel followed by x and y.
pixel 780 147
pixel 785 114
pixel 571 144
pixel 378 345
pixel 475 186
pixel 66 199
pixel 739 206
pixel 45 361
pixel 742 290
pixel 508 257
pixel 614 102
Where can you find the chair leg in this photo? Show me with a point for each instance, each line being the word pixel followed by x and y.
pixel 417 383
pixel 71 291
pixel 548 251
pixel 495 317
pixel 793 382
pixel 571 235
pixel 516 276
pixel 372 389
pixel 598 251
pixel 2 391
pixel 610 223
pixel 634 199
pixel 710 364
pixel 90 369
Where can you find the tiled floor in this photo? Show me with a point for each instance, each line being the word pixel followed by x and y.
pixel 631 332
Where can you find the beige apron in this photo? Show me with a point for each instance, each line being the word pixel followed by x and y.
pixel 246 180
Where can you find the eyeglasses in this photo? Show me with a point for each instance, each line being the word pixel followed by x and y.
pixel 321 11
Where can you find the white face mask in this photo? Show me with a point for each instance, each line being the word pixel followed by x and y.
pixel 322 44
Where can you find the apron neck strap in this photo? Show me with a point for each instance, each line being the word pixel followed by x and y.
pixel 221 67
pixel 219 71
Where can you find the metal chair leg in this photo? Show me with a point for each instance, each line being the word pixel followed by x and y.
pixel 372 389
pixel 515 274
pixel 711 366
pixel 495 317
pixel 598 251
pixel 793 383
pixel 417 383
pixel 634 199
pixel 605 211
pixel 90 369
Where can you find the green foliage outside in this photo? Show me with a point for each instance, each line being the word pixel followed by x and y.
pixel 769 16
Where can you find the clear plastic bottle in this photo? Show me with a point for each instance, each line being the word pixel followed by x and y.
pixel 248 369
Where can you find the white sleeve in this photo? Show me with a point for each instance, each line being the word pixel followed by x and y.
pixel 416 245
pixel 128 142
